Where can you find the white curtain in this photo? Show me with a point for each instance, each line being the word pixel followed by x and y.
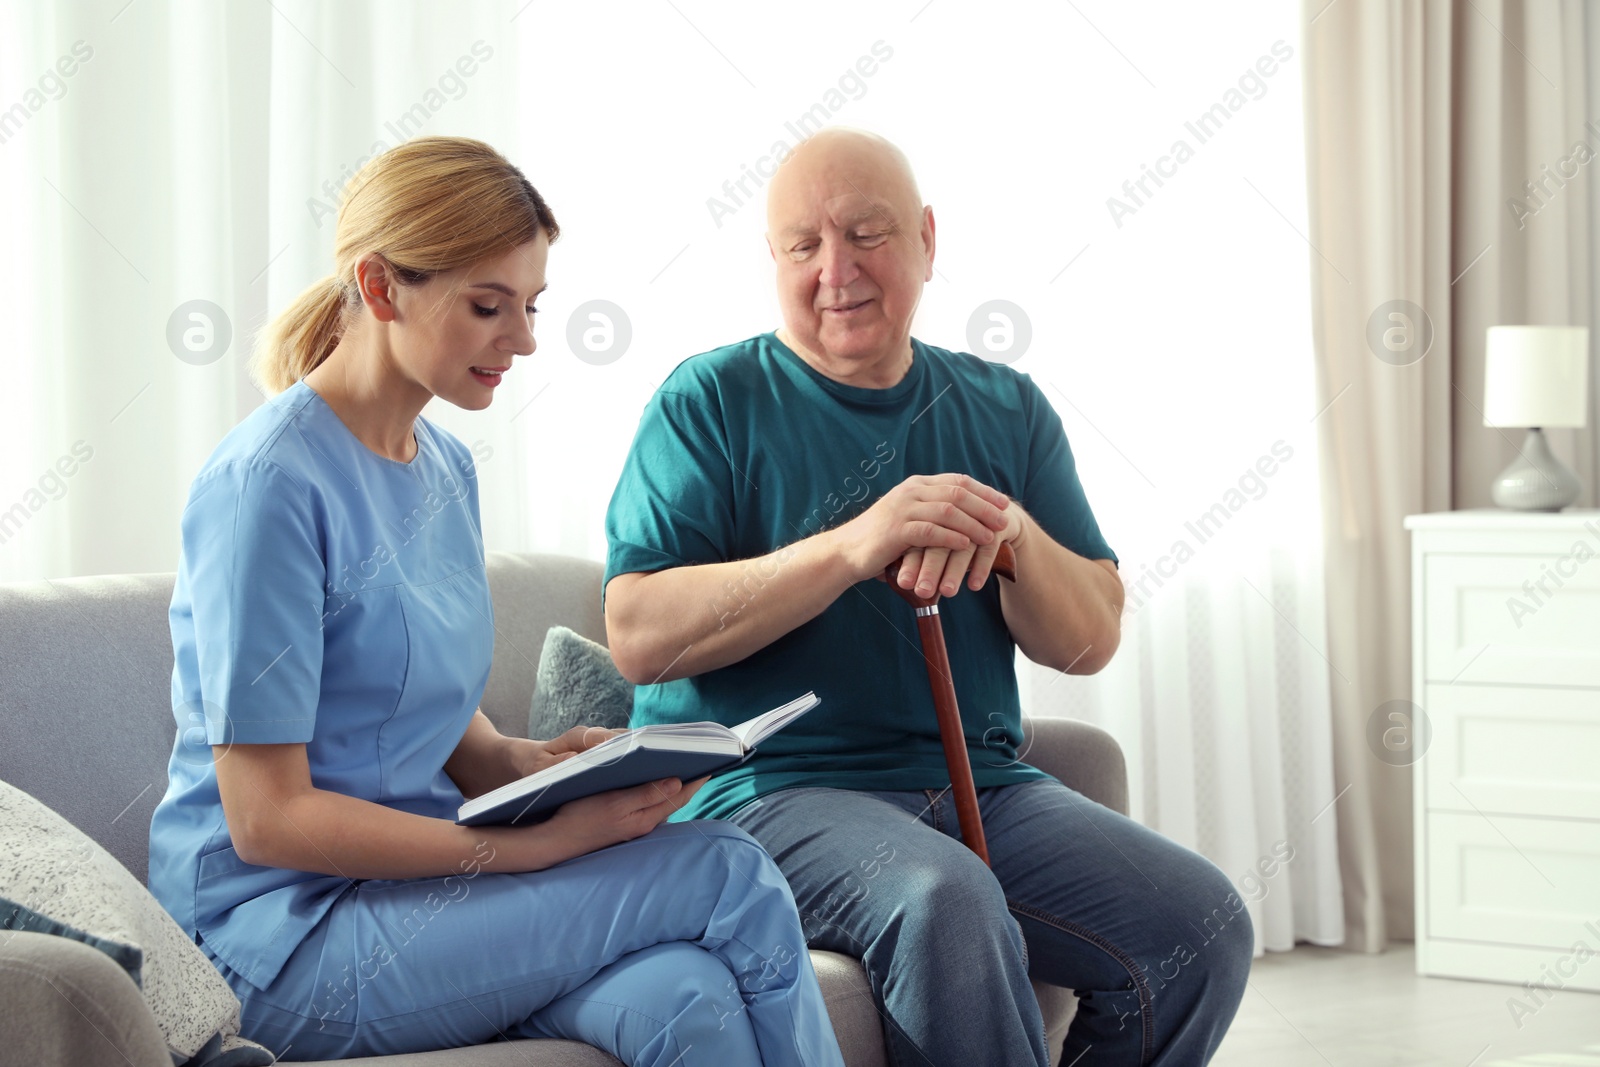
pixel 1158 295
pixel 1451 152
pixel 170 152
pixel 1192 415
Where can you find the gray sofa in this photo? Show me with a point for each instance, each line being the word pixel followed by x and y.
pixel 85 726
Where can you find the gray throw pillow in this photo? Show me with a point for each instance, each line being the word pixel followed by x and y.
pixel 577 685
pixel 56 879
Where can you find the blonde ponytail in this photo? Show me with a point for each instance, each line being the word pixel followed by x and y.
pixel 429 205
pixel 301 336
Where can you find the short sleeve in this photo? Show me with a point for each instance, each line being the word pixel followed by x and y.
pixel 1052 492
pixel 673 504
pixel 254 568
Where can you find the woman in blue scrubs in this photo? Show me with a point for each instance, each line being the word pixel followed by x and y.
pixel 332 631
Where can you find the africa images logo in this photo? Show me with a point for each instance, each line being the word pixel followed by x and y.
pixel 1203 128
pixel 851 85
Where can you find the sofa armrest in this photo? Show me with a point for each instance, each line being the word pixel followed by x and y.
pixel 67 1004
pixel 1082 756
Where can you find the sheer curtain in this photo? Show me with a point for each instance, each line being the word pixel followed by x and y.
pixel 164 179
pixel 1121 215
pixel 1189 401
pixel 1452 150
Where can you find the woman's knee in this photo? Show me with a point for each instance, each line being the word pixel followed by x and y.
pixel 671 1002
pixel 726 876
pixel 724 845
pixel 692 993
pixel 721 834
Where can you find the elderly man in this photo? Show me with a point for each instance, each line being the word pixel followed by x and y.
pixel 770 484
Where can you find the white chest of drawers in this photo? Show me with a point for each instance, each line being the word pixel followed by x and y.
pixel 1506 667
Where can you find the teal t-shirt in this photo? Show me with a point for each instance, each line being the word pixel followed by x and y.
pixel 746 449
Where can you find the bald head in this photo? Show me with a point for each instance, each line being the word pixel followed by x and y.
pixel 838 156
pixel 853 245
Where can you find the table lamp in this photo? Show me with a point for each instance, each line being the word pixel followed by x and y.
pixel 1536 376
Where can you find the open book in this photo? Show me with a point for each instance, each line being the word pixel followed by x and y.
pixel 686 751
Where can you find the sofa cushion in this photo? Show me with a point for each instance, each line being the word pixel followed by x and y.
pixel 62 882
pixel 86 684
pixel 66 1005
pixel 578 685
pixel 23 919
pixel 532 593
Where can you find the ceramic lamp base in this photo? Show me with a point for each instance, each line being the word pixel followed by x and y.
pixel 1536 480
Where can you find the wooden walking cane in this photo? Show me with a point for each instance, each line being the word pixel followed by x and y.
pixel 951 734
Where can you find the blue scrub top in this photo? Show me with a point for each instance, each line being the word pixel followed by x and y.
pixel 330 597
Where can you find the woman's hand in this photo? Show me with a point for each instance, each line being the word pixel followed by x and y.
pixel 618 815
pixel 530 757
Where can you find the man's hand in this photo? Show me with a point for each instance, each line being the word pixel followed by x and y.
pixel 939 523
pixel 658 630
pixel 942 568
pixel 530 757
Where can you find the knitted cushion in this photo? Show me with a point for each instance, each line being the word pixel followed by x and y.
pixel 55 879
pixel 577 685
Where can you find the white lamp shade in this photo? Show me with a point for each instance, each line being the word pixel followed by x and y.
pixel 1536 376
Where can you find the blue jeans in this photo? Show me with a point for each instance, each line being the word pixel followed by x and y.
pixel 678 948
pixel 1151 937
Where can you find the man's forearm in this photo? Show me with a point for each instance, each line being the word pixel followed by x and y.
pixel 688 620
pixel 1065 611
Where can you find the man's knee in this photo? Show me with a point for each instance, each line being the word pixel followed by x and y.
pixel 951 899
pixel 1210 930
pixel 1236 951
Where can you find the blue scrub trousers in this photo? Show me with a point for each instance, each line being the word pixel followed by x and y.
pixel 681 947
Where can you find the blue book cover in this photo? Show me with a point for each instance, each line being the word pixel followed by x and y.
pixel 666 750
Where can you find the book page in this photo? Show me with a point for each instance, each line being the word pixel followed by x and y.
pixel 697 737
pixel 754 731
